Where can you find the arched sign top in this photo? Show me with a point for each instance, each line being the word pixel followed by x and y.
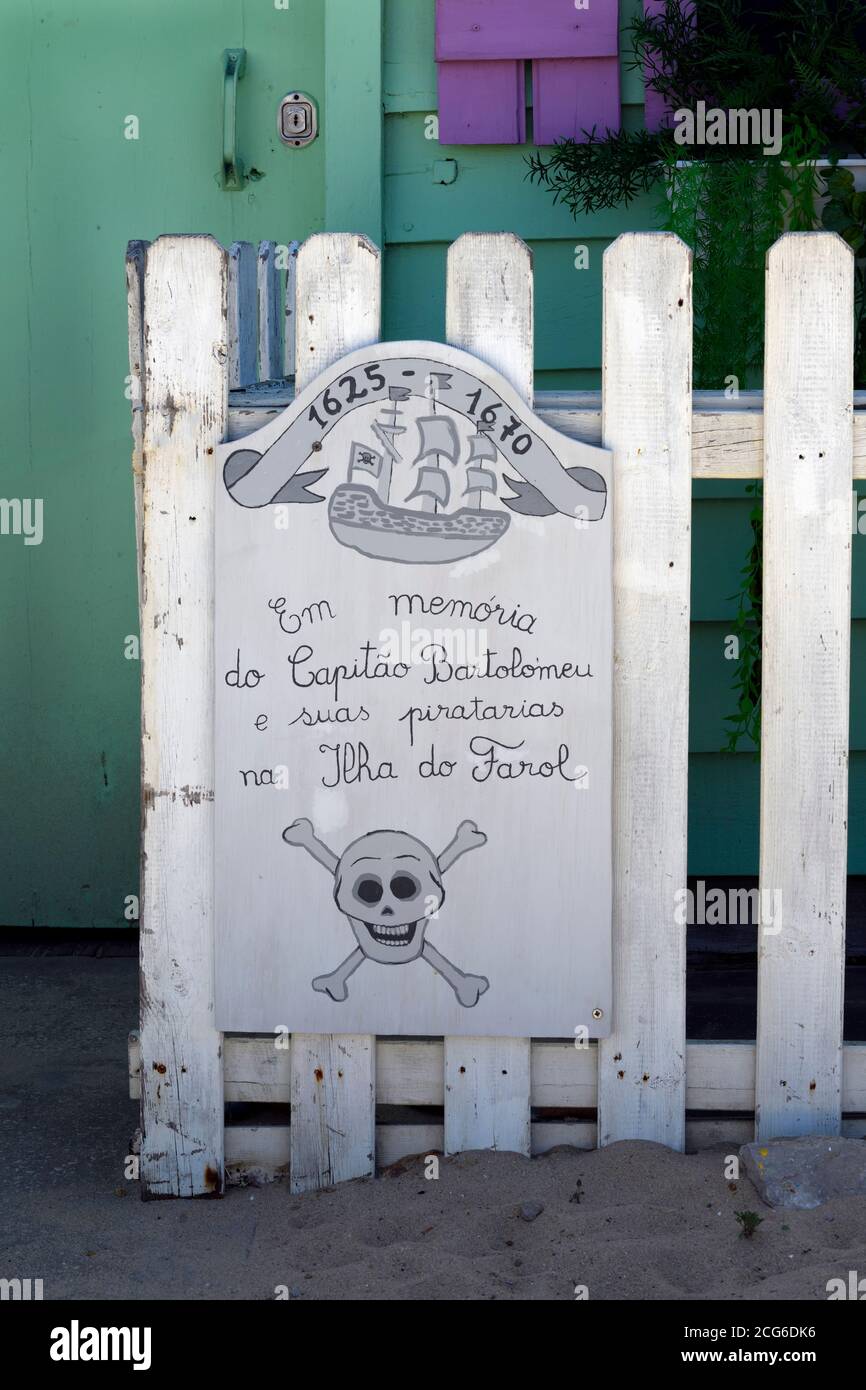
pixel 455 505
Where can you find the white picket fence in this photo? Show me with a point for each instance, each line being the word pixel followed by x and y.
pixel 204 329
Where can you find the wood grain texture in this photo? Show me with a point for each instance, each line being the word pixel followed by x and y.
pixel 571 96
pixel 185 415
pixel 339 308
pixel 647 403
pixel 484 29
pixel 339 300
pixel 353 131
pixel 727 437
pixel 264 1149
pixel 242 315
pixel 488 312
pixel 720 1076
pixel 805 681
pixel 258 1069
pixel 270 314
pixel 410 1073
pixel 290 310
pixel 488 303
pixel 487 1094
pixel 481 103
pixel 333 1109
pixel 135 253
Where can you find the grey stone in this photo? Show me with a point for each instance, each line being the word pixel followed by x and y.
pixel 804 1173
pixel 528 1211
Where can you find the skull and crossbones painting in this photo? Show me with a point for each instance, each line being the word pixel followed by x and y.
pixel 389 886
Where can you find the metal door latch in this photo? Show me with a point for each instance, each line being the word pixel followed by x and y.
pixel 297 120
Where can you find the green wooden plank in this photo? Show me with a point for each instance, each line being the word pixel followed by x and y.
pixel 711 693
pixel 631 80
pixel 721 537
pixel 413 285
pixel 353 132
pixel 576 379
pixel 490 193
pixel 68 697
pixel 724 814
pixel 409 61
pixel 712 697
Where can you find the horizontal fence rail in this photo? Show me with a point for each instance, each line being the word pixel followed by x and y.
pixel 720 1097
pixel 219 342
pixel 727 435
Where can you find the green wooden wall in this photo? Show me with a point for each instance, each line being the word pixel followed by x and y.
pixel 75 190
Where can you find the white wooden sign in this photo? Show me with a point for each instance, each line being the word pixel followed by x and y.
pixel 413 662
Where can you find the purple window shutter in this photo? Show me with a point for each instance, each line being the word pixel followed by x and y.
pixel 481 46
pixel 571 95
pixel 490 29
pixel 481 104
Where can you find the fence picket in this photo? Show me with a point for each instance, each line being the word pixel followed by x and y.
pixel 185 415
pixel 333 1076
pixel 333 1095
pixel 647 415
pixel 135 253
pixel 289 309
pixel 489 313
pixel 242 314
pixel 339 300
pixel 808 447
pixel 270 312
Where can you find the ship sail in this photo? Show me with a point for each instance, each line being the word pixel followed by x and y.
pixel 481 446
pixel 438 436
pixel 431 483
pixel 479 480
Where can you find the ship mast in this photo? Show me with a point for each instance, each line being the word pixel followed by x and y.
pixel 386 431
pixel 480 480
pixel 429 503
pixel 369 462
pixel 438 436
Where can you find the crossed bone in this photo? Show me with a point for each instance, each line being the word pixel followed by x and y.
pixel 468 988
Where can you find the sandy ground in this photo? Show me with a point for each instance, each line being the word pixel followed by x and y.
pixel 649 1224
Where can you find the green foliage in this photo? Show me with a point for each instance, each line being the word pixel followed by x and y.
pixel 605 171
pixel 730 212
pixel 804 57
pixel 845 213
pixel 746 723
pixel 749 1221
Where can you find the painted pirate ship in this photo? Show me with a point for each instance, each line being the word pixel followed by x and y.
pixel 364 516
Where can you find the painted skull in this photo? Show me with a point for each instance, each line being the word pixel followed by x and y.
pixel 388 884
